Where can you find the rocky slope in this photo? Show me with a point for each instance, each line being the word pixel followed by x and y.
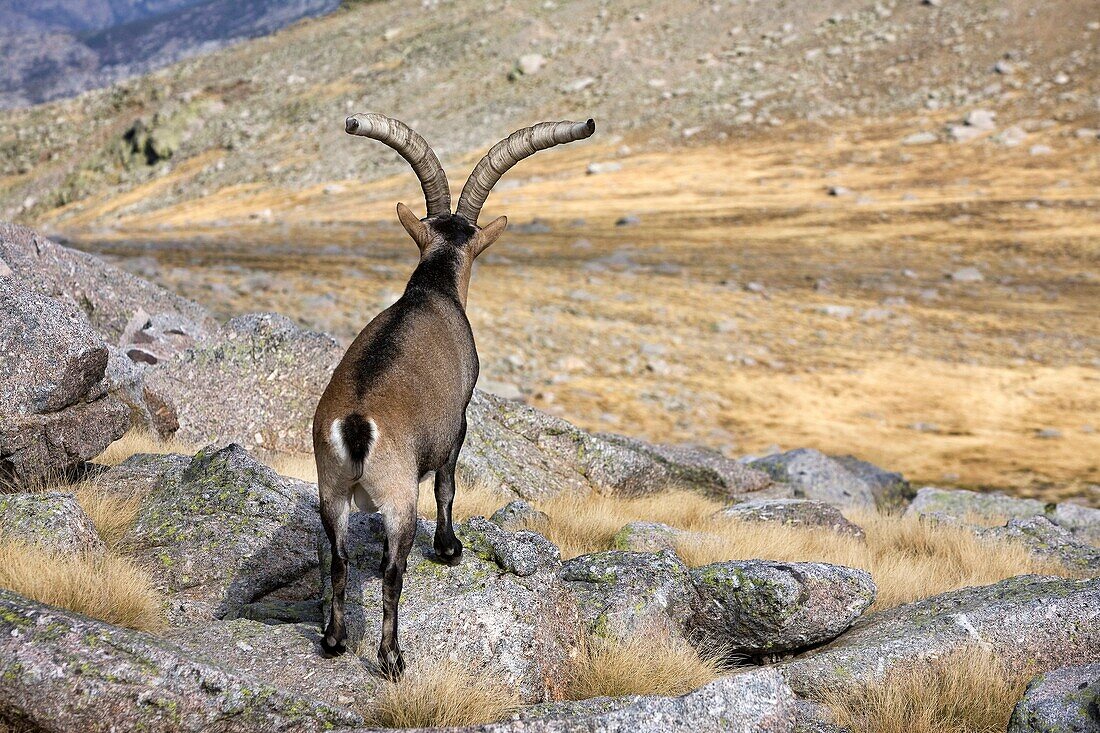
pixel 59 49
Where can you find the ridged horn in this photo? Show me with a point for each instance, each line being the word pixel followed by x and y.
pixel 509 151
pixel 414 149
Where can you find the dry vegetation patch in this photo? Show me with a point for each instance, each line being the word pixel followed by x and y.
pixel 968 691
pixel 442 693
pixel 642 665
pixel 112 513
pixel 106 587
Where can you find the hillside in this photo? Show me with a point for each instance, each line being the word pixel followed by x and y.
pixel 61 48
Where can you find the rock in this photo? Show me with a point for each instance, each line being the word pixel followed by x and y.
pixel 536 455
pixel 647 537
pixel 222 530
pixel 61 671
pixel 890 489
pixel 843 312
pixel 1048 541
pixel 700 469
pixel 53 520
pixel 504 608
pixel 1012 136
pixel 596 167
pixel 58 405
pixel 981 119
pixel 109 297
pixel 624 594
pixel 1027 621
pixel 629 220
pixel 793 513
pixel 920 138
pixel 530 63
pixel 1062 700
pixel 1082 521
pixel 967 275
pixel 814 475
pixel 756 701
pixel 275 371
pixel 764 608
pixel 517 515
pixel 839 190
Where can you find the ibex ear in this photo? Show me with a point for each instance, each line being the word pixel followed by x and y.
pixel 416 228
pixel 489 233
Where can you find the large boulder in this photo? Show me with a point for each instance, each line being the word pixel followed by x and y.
pixel 801 513
pixel 52 520
pixel 61 671
pixel 1065 700
pixel 1048 541
pixel 536 455
pixel 221 530
pixel 764 608
pixel 107 295
pixel 750 702
pixel 503 609
pixel 1028 621
pixel 648 537
pixel 814 475
pixel 58 404
pixel 890 489
pixel 960 504
pixel 274 371
pixel 623 594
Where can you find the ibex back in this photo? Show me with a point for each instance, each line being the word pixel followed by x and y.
pixel 395 409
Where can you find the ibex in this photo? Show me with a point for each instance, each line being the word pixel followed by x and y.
pixel 395 409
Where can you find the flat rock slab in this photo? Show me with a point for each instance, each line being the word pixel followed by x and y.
pixel 60 672
pixel 1026 620
pixel 1048 541
pixel 814 475
pixel 1064 700
pixel 801 513
pixel 222 531
pixel 52 520
pixel 623 594
pixel 503 609
pixel 760 607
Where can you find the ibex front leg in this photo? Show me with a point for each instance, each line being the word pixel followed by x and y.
pixel 400 524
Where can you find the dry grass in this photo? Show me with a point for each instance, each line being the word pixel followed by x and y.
pixel 446 693
pixel 139 441
pixel 106 587
pixel 909 559
pixel 641 665
pixel 472 499
pixel 969 691
pixel 112 513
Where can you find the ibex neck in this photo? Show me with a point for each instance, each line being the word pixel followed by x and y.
pixel 442 272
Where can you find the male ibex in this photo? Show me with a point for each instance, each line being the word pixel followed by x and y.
pixel 395 409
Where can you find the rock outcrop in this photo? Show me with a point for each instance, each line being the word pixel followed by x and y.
pixel 1027 621
pixel 52 520
pixel 801 513
pixel 814 475
pixel 61 671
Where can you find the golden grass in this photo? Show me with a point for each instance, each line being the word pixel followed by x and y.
pixel 140 441
pixel 105 587
pixel 472 499
pixel 908 559
pixel 113 513
pixel 645 664
pixel 441 693
pixel 968 691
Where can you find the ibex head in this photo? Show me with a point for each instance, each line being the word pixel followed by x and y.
pixel 459 230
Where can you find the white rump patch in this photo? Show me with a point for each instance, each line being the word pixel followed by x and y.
pixel 336 440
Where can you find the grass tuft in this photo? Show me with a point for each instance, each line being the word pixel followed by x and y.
pixel 105 587
pixel 444 693
pixel 140 441
pixel 641 665
pixel 968 691
pixel 112 513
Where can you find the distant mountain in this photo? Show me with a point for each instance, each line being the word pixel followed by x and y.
pixel 59 48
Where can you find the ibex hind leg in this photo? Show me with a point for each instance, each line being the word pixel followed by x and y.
pixel 334 516
pixel 448 549
pixel 400 524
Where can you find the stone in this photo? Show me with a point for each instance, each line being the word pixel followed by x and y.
pixel 52 520
pixel 890 489
pixel 756 702
pixel 58 405
pixel 764 608
pixel 814 475
pixel 624 594
pixel 959 503
pixel 982 119
pixel 1062 700
pixel 530 63
pixel 920 138
pixel 793 513
pixel 648 537
pixel 503 609
pixel 275 371
pixel 1083 521
pixel 221 530
pixel 967 275
pixel 519 514
pixel 1028 621
pixel 61 671
pixel 1048 541
pixel 108 296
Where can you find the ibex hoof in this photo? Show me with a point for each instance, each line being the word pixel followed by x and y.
pixel 392 665
pixel 332 647
pixel 449 554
